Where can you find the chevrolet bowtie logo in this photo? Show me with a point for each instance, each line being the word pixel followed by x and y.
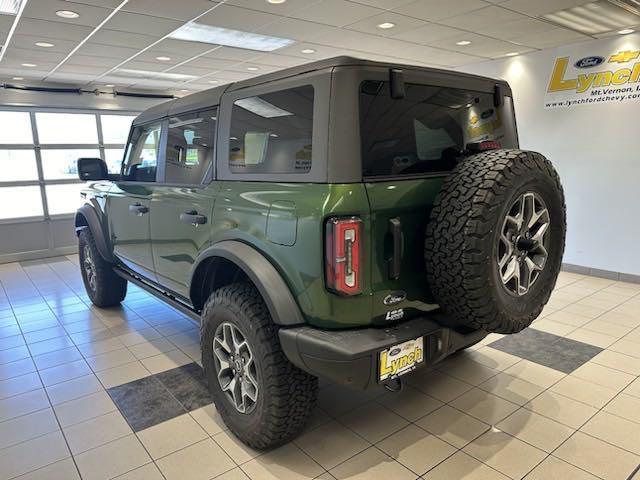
pixel 624 57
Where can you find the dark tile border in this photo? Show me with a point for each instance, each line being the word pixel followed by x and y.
pixel 546 349
pixel 597 272
pixel 157 398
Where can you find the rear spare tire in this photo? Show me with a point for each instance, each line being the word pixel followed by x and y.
pixel 495 240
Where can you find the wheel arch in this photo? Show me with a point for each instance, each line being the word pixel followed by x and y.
pixel 87 217
pixel 215 266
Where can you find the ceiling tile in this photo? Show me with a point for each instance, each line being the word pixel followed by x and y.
pixel 5 25
pixel 230 53
pixel 182 47
pixel 431 33
pixel 99 50
pixel 211 63
pixel 71 68
pixel 95 3
pixel 540 7
pixel 282 61
pixel 296 29
pixel 237 18
pixel 144 24
pixel 90 16
pixel 335 12
pixel 402 24
pixel 383 4
pixel 29 42
pixel 33 56
pixel 481 19
pixel 49 29
pixel 434 10
pixel 93 61
pixel 552 38
pixel 434 56
pixel 321 51
pixel 480 46
pixel 177 10
pixel 516 30
pixel 286 8
pixel 108 37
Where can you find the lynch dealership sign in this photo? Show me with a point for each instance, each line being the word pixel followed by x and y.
pixel 595 79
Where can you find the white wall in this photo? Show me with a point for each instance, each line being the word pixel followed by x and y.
pixel 595 148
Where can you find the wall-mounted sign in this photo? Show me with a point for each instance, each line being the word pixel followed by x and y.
pixel 594 79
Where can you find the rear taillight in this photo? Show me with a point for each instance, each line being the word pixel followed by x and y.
pixel 343 255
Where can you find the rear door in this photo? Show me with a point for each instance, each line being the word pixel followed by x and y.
pixel 408 147
pixel 182 204
pixel 129 201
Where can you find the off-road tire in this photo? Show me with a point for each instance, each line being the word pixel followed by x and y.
pixel 110 289
pixel 462 238
pixel 287 395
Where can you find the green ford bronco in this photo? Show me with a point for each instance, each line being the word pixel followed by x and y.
pixel 346 219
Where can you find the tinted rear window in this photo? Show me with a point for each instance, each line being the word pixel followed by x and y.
pixel 428 130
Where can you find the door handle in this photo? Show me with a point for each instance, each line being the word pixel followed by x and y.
pixel 395 228
pixel 193 217
pixel 138 209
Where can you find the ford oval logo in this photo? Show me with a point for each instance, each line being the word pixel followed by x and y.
pixel 588 62
pixel 394 297
pixel 394 352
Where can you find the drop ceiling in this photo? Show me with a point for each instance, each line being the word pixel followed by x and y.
pixel 128 44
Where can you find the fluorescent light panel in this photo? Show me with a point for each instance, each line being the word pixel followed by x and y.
pixel 129 73
pixel 594 18
pixel 198 32
pixel 10 7
pixel 261 107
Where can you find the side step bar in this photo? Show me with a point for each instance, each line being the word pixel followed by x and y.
pixel 164 296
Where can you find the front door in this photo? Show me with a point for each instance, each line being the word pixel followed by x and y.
pixel 129 201
pixel 182 206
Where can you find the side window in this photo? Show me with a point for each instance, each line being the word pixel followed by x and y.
pixel 190 143
pixel 141 159
pixel 271 133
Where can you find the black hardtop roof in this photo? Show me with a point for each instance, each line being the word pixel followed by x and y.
pixel 211 97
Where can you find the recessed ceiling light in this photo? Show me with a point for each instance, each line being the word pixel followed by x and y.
pixel 512 54
pixel 67 14
pixel 44 44
pixel 253 69
pixel 276 2
pixel 626 31
pixel 18 78
pixel 163 58
pixel 213 81
pixel 184 90
pixel 110 85
pixel 29 65
pixel 386 25
pixel 308 50
pixel 463 43
pixel 199 32
pixel 10 7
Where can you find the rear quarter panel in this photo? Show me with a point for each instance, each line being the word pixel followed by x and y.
pixel 242 213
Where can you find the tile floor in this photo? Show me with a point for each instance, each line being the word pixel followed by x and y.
pixel 118 393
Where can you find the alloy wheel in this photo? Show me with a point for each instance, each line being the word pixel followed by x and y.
pixel 523 244
pixel 89 267
pixel 235 367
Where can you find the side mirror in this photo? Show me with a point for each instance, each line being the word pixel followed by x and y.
pixel 92 169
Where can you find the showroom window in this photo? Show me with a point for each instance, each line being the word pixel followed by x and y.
pixel 38 158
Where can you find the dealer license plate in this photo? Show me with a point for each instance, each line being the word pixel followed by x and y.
pixel 400 359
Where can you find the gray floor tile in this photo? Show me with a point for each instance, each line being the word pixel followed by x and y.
pixel 546 349
pixel 145 403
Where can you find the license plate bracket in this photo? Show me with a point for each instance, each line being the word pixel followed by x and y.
pixel 400 359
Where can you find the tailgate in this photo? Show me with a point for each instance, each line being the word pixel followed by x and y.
pixel 399 213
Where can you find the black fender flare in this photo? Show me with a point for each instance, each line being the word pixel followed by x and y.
pixel 92 221
pixel 276 293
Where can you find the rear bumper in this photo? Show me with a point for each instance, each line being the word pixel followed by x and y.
pixel 350 357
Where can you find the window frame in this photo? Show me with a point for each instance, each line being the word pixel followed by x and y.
pixel 37 147
pixel 321 85
pixel 161 153
pixel 211 174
